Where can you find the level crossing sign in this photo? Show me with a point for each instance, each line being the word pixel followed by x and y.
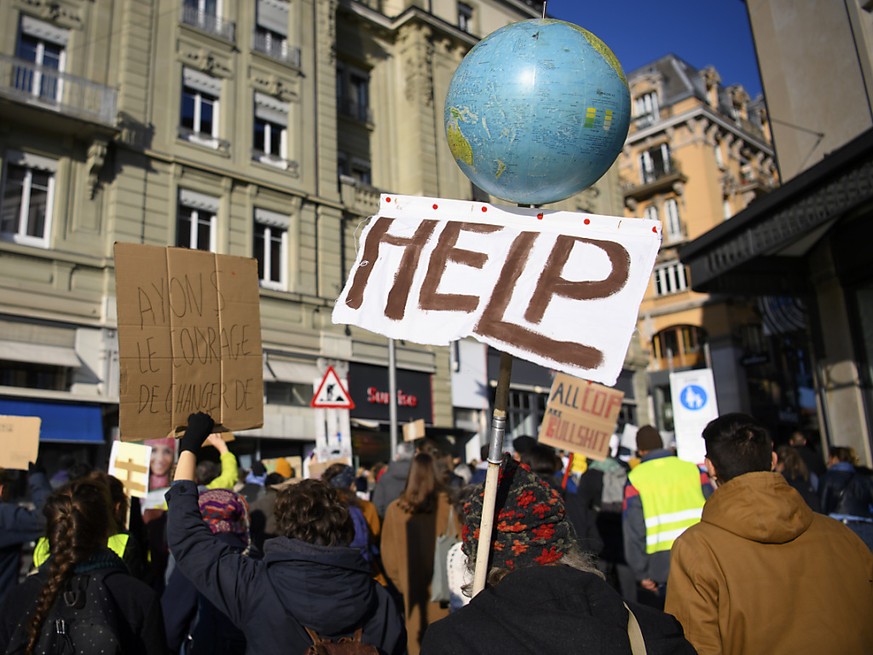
pixel 331 393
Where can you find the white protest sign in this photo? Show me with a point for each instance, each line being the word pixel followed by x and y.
pixel 694 405
pixel 560 289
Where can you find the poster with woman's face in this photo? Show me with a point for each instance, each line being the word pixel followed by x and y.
pixel 162 461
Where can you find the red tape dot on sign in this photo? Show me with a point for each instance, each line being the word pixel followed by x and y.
pixel 539 217
pixel 484 209
pixel 387 199
pixel 587 221
pixel 655 230
pixel 436 206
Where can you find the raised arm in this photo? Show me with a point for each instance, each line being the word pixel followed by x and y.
pixel 219 573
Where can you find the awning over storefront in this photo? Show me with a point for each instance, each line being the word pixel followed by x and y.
pixel 36 353
pixel 761 249
pixel 61 422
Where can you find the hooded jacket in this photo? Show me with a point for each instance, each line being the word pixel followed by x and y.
pixel 297 584
pixel 762 573
pixel 551 609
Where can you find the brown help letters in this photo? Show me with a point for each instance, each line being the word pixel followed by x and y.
pixel 189 338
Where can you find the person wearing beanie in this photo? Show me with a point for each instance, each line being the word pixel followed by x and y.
pixel 309 576
pixel 189 617
pixel 283 468
pixel 368 527
pixel 664 496
pixel 543 594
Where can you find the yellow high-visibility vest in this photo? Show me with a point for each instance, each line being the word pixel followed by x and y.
pixel 672 499
pixel 116 543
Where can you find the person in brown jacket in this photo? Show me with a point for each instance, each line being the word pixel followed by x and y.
pixel 761 572
pixel 409 532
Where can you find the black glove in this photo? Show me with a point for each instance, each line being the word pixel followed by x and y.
pixel 199 427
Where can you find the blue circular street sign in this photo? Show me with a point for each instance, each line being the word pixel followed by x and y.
pixel 693 397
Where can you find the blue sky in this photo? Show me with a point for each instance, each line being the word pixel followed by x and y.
pixel 702 32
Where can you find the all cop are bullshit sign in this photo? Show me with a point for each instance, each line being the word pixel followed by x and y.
pixel 580 416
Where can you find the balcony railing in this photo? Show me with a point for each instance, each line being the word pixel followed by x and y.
pixel 48 88
pixel 289 165
pixel 276 49
pixel 659 170
pixel 357 197
pixel 207 22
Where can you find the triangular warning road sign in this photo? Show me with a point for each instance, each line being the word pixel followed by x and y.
pixel 332 393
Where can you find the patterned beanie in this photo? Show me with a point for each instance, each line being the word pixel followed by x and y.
pixel 530 526
pixel 343 478
pixel 225 511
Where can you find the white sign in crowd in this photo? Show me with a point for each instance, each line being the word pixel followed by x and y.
pixel 560 289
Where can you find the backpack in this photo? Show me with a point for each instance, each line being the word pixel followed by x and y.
pixel 342 646
pixel 83 620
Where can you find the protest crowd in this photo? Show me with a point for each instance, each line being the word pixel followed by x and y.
pixel 761 550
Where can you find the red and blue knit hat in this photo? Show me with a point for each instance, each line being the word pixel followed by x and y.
pixel 530 526
pixel 225 511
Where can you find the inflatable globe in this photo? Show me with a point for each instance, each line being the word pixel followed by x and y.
pixel 537 111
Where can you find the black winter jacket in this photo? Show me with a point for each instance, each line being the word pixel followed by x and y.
pixel 551 609
pixel 140 623
pixel 328 589
pixel 848 491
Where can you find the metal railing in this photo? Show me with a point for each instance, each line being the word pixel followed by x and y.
pixel 48 88
pixel 207 22
pixel 276 49
pixel 659 170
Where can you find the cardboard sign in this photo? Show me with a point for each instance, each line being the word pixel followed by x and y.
pixel 189 339
pixel 317 469
pixel 413 430
pixel 129 462
pixel 19 441
pixel 556 288
pixel 580 416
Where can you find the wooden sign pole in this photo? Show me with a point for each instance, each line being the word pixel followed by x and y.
pixel 495 456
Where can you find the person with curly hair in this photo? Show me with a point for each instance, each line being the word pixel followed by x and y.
pixel 309 576
pixel 79 521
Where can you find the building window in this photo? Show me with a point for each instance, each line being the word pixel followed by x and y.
pixel 670 278
pixel 672 224
pixel 271 32
pixel 679 341
pixel 292 394
pixel 655 163
pixel 270 131
pixel 465 17
pixel 206 15
pixel 646 108
pixel 355 169
pixel 719 157
pixel 28 194
pixel 44 46
pixel 200 107
pixel 271 248
pixel 651 212
pixel 34 376
pixel 353 93
pixel 197 221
